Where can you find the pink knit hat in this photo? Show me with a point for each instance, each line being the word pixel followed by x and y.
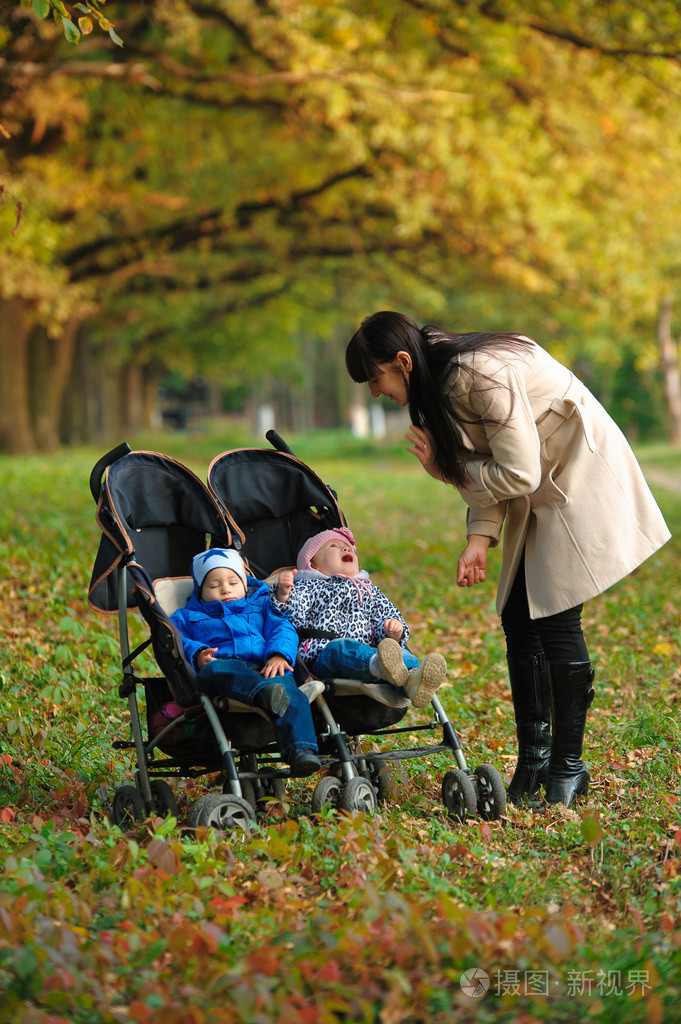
pixel 312 546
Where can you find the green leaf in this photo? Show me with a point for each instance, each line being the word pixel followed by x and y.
pixel 591 829
pixel 70 31
pixel 116 38
pixel 25 964
pixel 41 8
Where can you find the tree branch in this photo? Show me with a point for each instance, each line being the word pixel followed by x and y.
pixel 88 260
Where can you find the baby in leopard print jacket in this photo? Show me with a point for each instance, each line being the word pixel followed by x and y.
pixel 349 629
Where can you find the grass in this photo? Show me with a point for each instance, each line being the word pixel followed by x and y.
pixel 572 914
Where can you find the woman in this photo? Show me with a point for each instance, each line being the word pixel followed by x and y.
pixel 527 445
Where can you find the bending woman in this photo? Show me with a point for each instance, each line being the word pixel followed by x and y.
pixel 530 448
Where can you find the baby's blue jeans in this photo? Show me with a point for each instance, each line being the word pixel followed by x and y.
pixel 349 659
pixel 231 677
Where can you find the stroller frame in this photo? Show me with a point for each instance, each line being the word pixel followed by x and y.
pixel 354 781
pixel 359 779
pixel 121 583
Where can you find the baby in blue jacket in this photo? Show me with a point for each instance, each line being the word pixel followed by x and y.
pixel 239 645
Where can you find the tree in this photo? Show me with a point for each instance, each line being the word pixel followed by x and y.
pixel 241 177
pixel 669 360
pixel 76 26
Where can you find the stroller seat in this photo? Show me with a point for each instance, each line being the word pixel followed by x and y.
pixel 381 692
pixel 172 593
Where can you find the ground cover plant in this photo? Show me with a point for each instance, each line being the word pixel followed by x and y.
pixel 400 916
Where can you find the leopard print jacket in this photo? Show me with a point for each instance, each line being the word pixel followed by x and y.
pixel 351 607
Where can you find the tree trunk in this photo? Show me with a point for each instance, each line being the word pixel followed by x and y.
pixel 51 362
pixel 78 421
pixel 16 430
pixel 669 362
pixel 130 400
pixel 358 413
pixel 151 413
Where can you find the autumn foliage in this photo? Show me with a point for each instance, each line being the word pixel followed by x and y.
pixel 387 918
pixel 232 189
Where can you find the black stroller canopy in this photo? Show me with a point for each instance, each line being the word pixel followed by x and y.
pixel 153 510
pixel 278 502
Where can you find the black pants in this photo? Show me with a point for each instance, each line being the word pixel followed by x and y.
pixel 559 636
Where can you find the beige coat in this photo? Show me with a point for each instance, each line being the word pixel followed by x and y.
pixel 559 473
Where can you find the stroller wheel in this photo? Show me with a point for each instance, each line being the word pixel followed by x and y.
pixel 128 807
pixel 358 795
pixel 222 811
pixel 165 804
pixel 326 793
pixel 491 792
pixel 248 792
pixel 271 788
pixel 458 794
pixel 258 793
pixel 381 777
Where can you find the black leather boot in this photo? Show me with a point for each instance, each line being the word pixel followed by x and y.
pixel 571 697
pixel 532 706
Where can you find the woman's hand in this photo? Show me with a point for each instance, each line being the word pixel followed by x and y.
pixel 276 666
pixel 472 565
pixel 423 448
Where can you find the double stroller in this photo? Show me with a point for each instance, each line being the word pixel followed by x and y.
pixel 155 515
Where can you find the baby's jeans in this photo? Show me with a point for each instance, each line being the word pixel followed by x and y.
pixel 231 677
pixel 349 659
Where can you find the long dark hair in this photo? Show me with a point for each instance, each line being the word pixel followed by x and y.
pixel 435 353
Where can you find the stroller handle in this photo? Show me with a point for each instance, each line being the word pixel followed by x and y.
pixel 106 460
pixel 278 442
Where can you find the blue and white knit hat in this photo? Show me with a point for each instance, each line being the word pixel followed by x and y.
pixel 216 558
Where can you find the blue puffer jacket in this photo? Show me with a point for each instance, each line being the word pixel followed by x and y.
pixel 248 629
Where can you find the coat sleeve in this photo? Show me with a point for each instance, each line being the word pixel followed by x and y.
pixel 299 606
pixel 486 521
pixel 191 646
pixel 280 635
pixel 513 466
pixel 383 609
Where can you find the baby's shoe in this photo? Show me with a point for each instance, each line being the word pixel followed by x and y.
pixel 424 680
pixel 303 763
pixel 393 669
pixel 312 689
